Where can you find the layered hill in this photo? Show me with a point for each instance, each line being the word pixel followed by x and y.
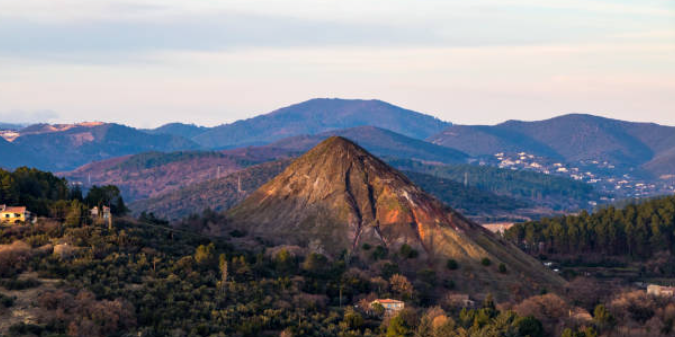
pixel 151 174
pixel 223 193
pixel 13 156
pixel 549 191
pixel 320 115
pixel 67 146
pixel 339 197
pixel 218 194
pixel 381 142
pixel 569 138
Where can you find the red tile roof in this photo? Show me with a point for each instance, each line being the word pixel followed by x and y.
pixel 388 300
pixel 14 209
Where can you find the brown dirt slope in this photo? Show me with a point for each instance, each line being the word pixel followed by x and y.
pixel 338 196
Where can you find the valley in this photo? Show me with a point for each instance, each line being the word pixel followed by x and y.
pixel 303 221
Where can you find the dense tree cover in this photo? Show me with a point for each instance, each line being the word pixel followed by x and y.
pixel 45 194
pixel 639 231
pixel 33 188
pixel 147 279
pixel 152 280
pixel 108 195
pixel 469 200
pixel 516 183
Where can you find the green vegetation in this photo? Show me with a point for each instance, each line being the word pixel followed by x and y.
pixel 502 268
pixel 529 185
pixel 45 194
pixel 452 264
pixel 149 279
pixel 35 189
pixel 108 195
pixel 408 252
pixel 642 232
pixel 152 280
pixel 470 200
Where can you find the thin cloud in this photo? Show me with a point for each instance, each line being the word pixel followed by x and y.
pixel 28 117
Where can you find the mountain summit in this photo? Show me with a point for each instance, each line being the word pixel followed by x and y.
pixel 320 115
pixel 339 197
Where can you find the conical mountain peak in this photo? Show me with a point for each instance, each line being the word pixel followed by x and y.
pixel 338 197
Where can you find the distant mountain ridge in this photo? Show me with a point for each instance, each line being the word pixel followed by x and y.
pixel 568 138
pixel 382 142
pixel 320 115
pixel 151 174
pixel 66 146
pixel 179 129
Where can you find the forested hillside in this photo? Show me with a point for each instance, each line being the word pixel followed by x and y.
pixel 643 231
pixel 45 194
pixel 142 278
pixel 150 174
pixel 556 192
pixel 215 194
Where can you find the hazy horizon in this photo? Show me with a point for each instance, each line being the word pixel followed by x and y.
pixel 188 122
pixel 149 62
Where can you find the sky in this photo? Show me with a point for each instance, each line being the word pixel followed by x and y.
pixel 148 62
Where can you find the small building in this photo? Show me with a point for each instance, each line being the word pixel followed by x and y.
pixel 459 300
pixel 102 213
pixel 662 291
pixel 390 306
pixel 14 214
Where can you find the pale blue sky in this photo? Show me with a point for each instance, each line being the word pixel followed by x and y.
pixel 147 62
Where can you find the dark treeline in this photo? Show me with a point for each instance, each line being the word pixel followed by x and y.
pixel 636 231
pixel 45 194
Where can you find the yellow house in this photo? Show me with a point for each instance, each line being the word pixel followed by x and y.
pixel 14 214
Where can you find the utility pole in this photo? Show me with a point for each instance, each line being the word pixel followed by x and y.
pixel 341 295
pixel 239 185
pixel 466 178
pixel 110 222
pixel 218 173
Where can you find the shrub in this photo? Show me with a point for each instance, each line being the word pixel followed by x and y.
pixel 237 233
pixel 449 284
pixel 6 301
pixel 502 268
pixel 389 269
pixel 452 264
pixel 17 284
pixel 408 252
pixel 379 253
pixel 485 261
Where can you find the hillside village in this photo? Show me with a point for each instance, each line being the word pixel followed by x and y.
pixel 619 183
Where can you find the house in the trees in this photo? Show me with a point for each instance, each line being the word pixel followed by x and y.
pixel 100 213
pixel 14 214
pixel 459 300
pixel 390 306
pixel 661 291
